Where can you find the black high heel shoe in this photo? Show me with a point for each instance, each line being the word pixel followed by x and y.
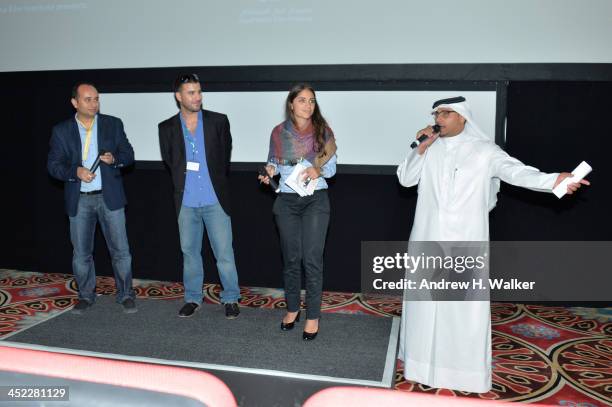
pixel 290 325
pixel 310 336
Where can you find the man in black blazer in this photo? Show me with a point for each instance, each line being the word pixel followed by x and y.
pixel 96 195
pixel 196 145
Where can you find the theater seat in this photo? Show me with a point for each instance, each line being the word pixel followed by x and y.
pixel 366 397
pixel 104 382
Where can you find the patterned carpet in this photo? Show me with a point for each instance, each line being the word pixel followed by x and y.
pixel 558 356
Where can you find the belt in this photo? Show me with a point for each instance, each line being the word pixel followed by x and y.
pixel 96 192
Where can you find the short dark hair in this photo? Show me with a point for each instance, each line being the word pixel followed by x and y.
pixel 185 78
pixel 75 88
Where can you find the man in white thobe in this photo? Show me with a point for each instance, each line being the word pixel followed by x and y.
pixel 447 344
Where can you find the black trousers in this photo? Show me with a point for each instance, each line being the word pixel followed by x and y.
pixel 302 223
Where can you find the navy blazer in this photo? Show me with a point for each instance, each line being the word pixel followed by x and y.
pixel 65 156
pixel 218 144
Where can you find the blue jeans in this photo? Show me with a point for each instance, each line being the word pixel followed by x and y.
pixel 218 225
pixel 92 209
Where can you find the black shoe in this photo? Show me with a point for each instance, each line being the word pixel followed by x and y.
pixel 81 307
pixel 231 310
pixel 289 325
pixel 310 336
pixel 129 306
pixel 188 309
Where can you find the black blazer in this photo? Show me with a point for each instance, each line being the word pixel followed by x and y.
pixel 218 144
pixel 65 156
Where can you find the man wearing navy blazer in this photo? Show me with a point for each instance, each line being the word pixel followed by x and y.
pixel 97 196
pixel 196 145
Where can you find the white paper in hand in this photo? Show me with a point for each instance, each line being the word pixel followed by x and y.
pixel 296 181
pixel 579 173
pixel 310 185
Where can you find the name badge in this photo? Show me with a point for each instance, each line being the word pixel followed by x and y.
pixel 193 166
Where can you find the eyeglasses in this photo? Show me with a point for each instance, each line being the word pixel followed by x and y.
pixel 185 78
pixel 442 113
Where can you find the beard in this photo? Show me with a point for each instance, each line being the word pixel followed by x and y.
pixel 193 107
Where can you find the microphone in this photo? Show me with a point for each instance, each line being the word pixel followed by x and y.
pixel 273 184
pixel 424 137
pixel 96 163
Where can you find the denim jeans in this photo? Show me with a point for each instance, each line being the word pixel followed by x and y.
pixel 91 210
pixel 218 224
pixel 302 223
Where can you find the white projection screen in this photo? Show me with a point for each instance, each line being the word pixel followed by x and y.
pixel 101 34
pixel 371 127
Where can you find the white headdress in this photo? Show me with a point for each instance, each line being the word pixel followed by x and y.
pixel 471 129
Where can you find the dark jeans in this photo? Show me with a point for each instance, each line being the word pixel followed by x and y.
pixel 302 223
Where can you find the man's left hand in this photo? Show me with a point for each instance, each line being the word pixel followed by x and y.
pixel 107 158
pixel 573 187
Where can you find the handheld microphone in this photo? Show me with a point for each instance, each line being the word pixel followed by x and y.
pixel 96 163
pixel 273 184
pixel 424 137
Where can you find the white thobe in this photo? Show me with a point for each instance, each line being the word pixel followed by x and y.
pixel 447 344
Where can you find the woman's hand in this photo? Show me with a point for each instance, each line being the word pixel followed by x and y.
pixel 311 172
pixel 266 180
